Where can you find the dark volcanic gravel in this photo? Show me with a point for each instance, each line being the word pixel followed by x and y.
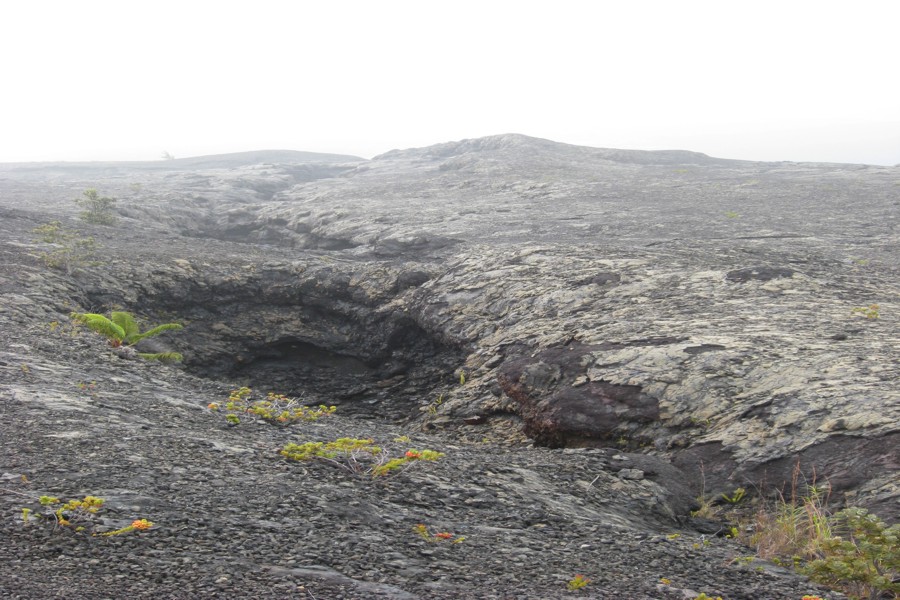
pixel 233 519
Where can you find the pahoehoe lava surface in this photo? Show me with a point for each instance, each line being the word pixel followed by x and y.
pixel 589 335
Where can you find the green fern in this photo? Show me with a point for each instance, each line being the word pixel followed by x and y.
pixel 121 328
pixel 112 331
pixel 133 333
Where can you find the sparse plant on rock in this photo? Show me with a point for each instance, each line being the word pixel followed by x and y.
pixel 433 407
pixel 577 583
pixel 98 209
pixel 77 515
pixel 736 496
pixel 122 329
pixel 356 455
pixel 443 536
pixel 70 250
pixel 703 596
pixel 869 312
pixel 275 408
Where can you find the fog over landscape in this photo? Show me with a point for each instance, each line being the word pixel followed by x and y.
pixel 798 81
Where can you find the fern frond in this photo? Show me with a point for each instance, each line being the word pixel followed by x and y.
pixel 101 325
pixel 166 357
pixel 128 325
pixel 155 331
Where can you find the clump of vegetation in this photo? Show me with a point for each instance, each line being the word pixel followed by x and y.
pixel 863 560
pixel 121 329
pixel 576 583
pixel 869 312
pixel 736 496
pixel 852 551
pixel 70 250
pixel 77 515
pixel 359 456
pixel 275 408
pixel 443 536
pixel 97 209
pixel 433 407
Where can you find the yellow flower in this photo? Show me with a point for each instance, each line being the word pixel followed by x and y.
pixel 142 524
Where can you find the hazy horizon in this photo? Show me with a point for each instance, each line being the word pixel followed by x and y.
pixel 162 157
pixel 108 81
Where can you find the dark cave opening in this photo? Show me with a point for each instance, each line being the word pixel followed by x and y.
pixel 309 335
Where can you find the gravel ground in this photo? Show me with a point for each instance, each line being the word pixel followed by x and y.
pixel 233 519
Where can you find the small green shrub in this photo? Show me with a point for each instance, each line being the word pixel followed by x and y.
pixel 98 209
pixel 442 536
pixel 852 550
pixel 276 408
pixel 577 583
pixel 359 456
pixel 863 560
pixel 869 312
pixel 70 250
pixel 77 515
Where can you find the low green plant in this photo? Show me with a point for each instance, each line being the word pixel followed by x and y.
pixel 442 536
pixel 433 407
pixel 120 328
pixel 703 596
pixel 577 583
pixel 275 408
pixel 736 496
pixel 869 312
pixel 410 457
pixel 89 388
pixel 98 209
pixel 69 249
pixel 862 557
pixel 358 456
pixel 77 515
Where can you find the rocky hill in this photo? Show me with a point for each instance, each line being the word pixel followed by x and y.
pixel 592 337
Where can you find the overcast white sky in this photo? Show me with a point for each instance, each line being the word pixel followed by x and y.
pixel 764 80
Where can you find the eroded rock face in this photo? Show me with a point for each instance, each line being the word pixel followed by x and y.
pixel 562 407
pixel 697 309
